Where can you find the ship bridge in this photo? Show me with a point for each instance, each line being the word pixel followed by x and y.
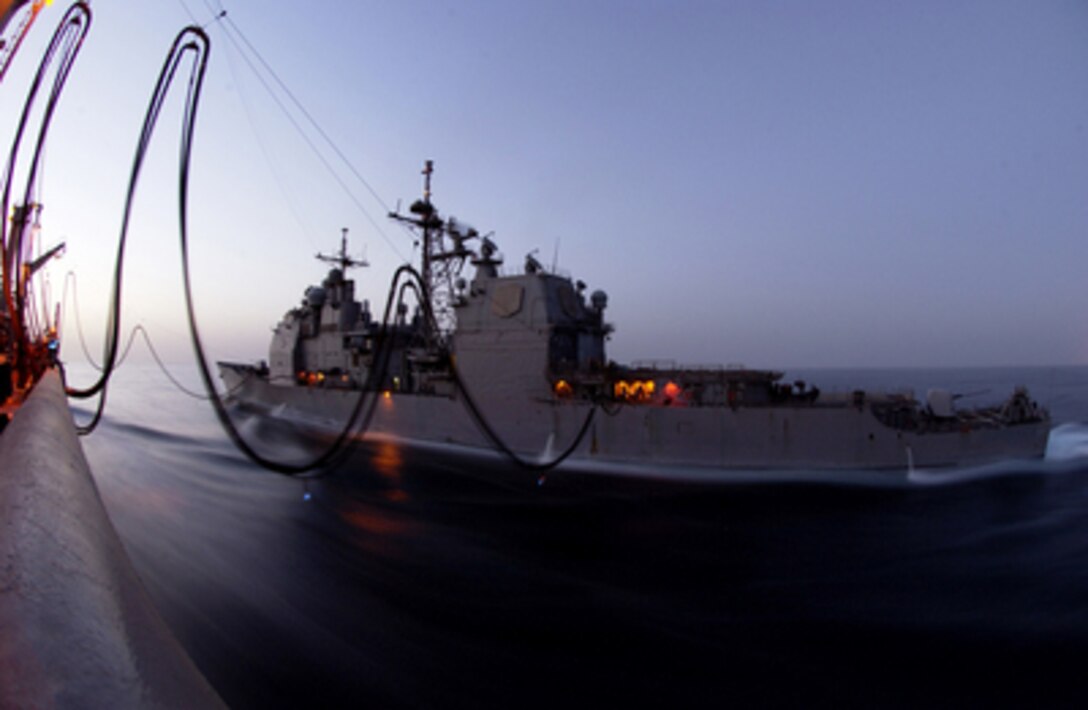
pixel 542 320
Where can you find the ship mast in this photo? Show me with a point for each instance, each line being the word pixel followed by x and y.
pixel 342 259
pixel 440 261
pixel 428 225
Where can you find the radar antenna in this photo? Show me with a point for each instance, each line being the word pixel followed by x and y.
pixel 444 251
pixel 342 259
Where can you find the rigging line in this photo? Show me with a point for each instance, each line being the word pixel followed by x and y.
pixel 382 356
pixel 139 328
pixel 249 113
pixel 313 147
pixel 196 40
pixel 339 446
pixel 114 319
pixel 10 48
pixel 124 352
pixel 69 51
pixel 37 313
pixel 192 17
pixel 77 18
pixel 166 371
pixel 309 117
pixel 68 37
pixel 482 422
pixel 218 14
pixel 266 152
pixel 128 346
pixel 79 323
pixel 33 317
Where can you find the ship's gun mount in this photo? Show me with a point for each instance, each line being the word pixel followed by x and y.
pixel 1020 408
pixel 938 413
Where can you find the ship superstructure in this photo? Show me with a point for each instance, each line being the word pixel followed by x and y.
pixel 519 361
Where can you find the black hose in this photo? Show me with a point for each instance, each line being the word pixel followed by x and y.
pixel 194 39
pixel 482 422
pixel 70 33
pixel 190 39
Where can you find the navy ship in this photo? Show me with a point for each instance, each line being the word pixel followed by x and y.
pixel 517 362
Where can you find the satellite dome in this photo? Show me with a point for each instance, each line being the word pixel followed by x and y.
pixel 599 299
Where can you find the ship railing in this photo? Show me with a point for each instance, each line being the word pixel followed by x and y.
pixel 697 374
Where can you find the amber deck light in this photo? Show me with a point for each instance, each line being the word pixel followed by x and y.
pixel 633 391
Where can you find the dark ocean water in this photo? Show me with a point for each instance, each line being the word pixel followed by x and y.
pixel 417 580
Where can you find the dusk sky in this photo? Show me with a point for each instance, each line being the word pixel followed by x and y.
pixel 779 184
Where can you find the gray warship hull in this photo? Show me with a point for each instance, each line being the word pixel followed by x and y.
pixel 831 435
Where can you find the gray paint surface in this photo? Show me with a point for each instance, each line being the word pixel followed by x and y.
pixel 77 627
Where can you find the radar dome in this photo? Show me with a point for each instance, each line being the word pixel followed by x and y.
pixel 315 296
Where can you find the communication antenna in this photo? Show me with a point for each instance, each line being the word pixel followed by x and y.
pixel 443 253
pixel 342 259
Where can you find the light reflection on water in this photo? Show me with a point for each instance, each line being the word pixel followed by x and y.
pixel 387 460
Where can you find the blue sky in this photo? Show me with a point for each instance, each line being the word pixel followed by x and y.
pixel 787 184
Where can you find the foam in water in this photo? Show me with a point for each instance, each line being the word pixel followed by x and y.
pixel 1067 441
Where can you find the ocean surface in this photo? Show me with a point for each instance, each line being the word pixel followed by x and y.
pixel 409 579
